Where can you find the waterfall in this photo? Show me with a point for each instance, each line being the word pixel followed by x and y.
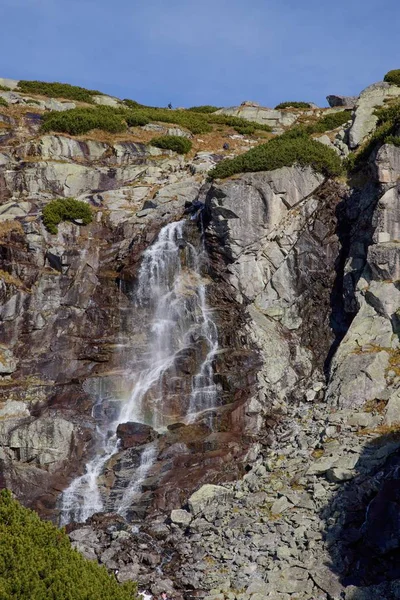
pixel 173 292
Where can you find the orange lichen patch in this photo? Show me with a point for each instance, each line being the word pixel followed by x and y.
pixel 317 453
pixel 370 349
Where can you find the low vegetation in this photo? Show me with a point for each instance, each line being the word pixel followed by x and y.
pixel 386 132
pixel 293 147
pixel 3 102
pixel 115 119
pixel 65 209
pixel 172 142
pixel 4 88
pixel 393 77
pixel 81 120
pixel 38 563
pixel 292 105
pixel 205 109
pixel 329 122
pixel 57 90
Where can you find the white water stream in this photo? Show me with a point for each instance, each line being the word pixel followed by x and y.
pixel 170 285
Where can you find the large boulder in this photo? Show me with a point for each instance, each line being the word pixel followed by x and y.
pixel 335 101
pixel 135 434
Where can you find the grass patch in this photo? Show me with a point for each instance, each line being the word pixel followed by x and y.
pixel 292 105
pixel 38 562
pixel 3 102
pixel 172 142
pixel 65 209
pixel 57 90
pixel 204 109
pixel 393 77
pixel 293 147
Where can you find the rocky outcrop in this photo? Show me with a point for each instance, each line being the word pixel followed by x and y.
pixel 335 101
pixel 364 120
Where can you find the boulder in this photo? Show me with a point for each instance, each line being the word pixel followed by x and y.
pixel 135 434
pixel 207 495
pixel 181 517
pixel 341 101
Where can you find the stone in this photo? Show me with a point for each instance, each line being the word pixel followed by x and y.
pixel 207 495
pixel 280 506
pixel 8 362
pixel 342 101
pixel 392 412
pixel 181 517
pixel 135 434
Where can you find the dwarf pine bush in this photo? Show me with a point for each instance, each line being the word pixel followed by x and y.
pixel 65 209
pixel 393 76
pixel 38 563
pixel 172 142
pixel 57 90
pixel 292 105
pixel 284 151
pixel 3 102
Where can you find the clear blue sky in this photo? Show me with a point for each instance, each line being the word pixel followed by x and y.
pixel 205 51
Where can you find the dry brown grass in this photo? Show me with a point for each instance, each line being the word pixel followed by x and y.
pixel 10 279
pixel 9 226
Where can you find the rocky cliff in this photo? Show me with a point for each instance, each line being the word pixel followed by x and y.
pixel 287 487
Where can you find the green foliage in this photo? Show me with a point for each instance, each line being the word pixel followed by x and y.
pixel 393 77
pixel 386 132
pixel 329 122
pixel 57 90
pixel 3 102
pixel 38 563
pixel 205 109
pixel 81 120
pixel 283 151
pixel 293 105
pixel 173 142
pixel 65 209
pixel 4 88
pixel 132 103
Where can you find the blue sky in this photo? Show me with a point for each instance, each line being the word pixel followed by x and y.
pixel 204 52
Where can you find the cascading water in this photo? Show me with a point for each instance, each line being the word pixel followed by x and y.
pixel 171 288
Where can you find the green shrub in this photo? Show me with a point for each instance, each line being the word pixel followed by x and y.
pixel 3 102
pixel 283 151
pixel 57 90
pixel 38 563
pixel 173 142
pixel 329 122
pixel 4 88
pixel 132 103
pixel 393 77
pixel 293 105
pixel 205 109
pixel 81 120
pixel 386 132
pixel 135 119
pixel 65 209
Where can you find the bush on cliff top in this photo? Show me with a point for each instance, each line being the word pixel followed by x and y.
pixel 393 77
pixel 172 142
pixel 57 90
pixel 292 105
pixel 38 563
pixel 204 108
pixel 284 151
pixel 65 209
pixel 81 120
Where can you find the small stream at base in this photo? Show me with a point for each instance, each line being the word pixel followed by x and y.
pixel 172 289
